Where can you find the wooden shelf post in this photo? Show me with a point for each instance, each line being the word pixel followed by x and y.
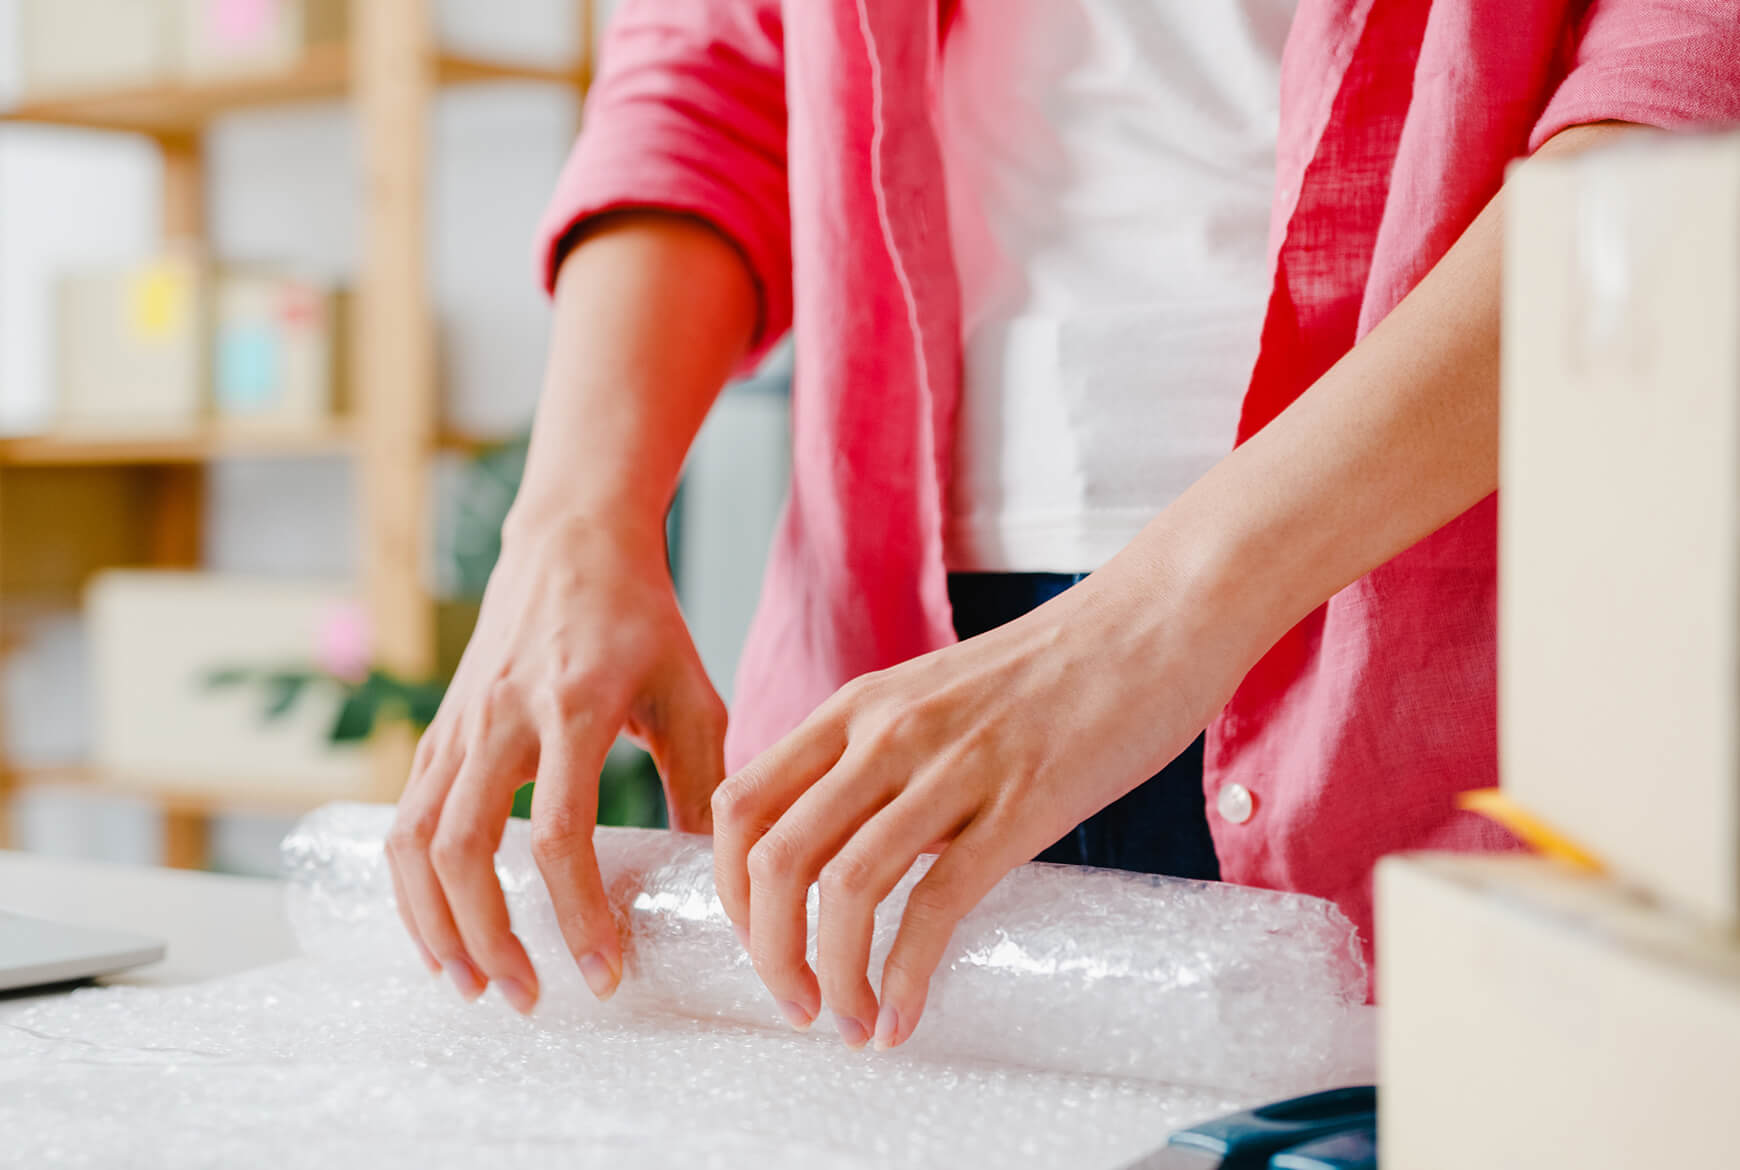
pixel 394 83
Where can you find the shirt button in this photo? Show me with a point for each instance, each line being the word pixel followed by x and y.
pixel 1235 803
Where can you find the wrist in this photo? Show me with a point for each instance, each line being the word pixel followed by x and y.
pixel 1206 589
pixel 593 530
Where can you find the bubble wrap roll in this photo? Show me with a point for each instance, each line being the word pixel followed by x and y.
pixel 1059 969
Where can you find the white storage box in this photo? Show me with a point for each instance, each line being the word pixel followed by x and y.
pixel 1535 1018
pixel 275 352
pixel 1620 511
pixel 131 347
pixel 80 45
pixel 232 38
pixel 156 637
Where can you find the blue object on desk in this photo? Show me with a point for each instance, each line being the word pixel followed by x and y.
pixel 1248 1140
pixel 1354 1150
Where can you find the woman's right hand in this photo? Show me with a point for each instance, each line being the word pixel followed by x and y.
pixel 579 638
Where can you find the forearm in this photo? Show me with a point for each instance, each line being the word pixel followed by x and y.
pixel 1396 440
pixel 653 312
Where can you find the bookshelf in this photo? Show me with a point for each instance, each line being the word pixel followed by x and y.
pixel 146 493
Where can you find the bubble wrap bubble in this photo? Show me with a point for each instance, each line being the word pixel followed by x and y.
pixel 1080 1017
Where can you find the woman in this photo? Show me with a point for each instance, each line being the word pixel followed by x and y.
pixel 1321 599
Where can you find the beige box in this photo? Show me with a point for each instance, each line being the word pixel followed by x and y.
pixel 1619 614
pixel 69 46
pixel 156 636
pixel 234 38
pixel 277 357
pixel 131 347
pixel 1533 1018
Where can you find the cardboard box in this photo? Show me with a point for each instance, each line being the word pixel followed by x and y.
pixel 1619 614
pixel 277 360
pixel 235 38
pixel 155 637
pixel 1536 1018
pixel 67 46
pixel 132 347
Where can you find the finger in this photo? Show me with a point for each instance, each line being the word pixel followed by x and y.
pixel 748 803
pixel 402 900
pixel 962 875
pixel 564 814
pixel 854 883
pixel 685 733
pixel 463 853
pixel 421 902
pixel 782 867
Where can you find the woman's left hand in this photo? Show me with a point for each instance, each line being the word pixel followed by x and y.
pixel 986 752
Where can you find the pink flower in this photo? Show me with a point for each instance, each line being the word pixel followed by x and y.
pixel 346 643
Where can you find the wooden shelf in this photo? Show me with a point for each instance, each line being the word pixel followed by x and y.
pixel 205 445
pixel 182 109
pixel 175 797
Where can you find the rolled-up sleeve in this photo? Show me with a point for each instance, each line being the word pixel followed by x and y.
pixel 688 115
pixel 1674 64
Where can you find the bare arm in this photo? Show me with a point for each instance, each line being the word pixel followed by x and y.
pixel 999 745
pixel 580 637
pixel 1395 441
pixel 652 313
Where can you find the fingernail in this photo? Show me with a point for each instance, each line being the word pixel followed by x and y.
pixel 429 959
pixel 852 1032
pixel 517 995
pixel 599 975
pixel 466 978
pixel 796 1016
pixel 742 935
pixel 887 1028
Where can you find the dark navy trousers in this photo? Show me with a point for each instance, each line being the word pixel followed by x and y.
pixel 1161 826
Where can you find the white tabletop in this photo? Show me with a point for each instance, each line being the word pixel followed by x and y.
pixel 213 925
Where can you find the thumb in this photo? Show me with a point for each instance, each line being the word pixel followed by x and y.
pixel 684 730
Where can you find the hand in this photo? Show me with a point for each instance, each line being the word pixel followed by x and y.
pixel 579 638
pixel 987 751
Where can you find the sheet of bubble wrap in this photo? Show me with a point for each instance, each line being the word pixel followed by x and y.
pixel 1081 1016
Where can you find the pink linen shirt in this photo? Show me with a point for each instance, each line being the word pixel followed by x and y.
pixel 803 131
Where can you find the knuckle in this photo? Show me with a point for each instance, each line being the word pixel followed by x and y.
pixel 408 837
pixel 712 713
pixel 933 905
pixel 424 759
pixel 575 683
pixel 557 833
pixel 855 693
pixel 501 691
pixel 773 861
pixel 902 973
pixel 847 878
pixel 452 850
pixel 840 987
pixel 772 974
pixel 733 802
pixel 776 970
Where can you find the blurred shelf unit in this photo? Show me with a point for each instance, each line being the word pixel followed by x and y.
pixel 184 108
pixel 170 794
pixel 75 503
pixel 207 444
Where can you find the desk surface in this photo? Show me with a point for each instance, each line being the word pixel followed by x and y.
pixel 213 925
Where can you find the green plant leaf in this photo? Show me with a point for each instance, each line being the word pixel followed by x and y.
pixel 227 676
pixel 282 691
pixel 357 716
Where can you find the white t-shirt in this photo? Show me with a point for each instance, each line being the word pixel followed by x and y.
pixel 1109 168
